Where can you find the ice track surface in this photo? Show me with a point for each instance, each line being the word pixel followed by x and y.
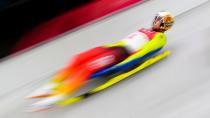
pixel 177 87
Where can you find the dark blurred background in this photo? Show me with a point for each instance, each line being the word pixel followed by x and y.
pixel 19 16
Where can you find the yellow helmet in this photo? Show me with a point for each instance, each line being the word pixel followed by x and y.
pixel 163 21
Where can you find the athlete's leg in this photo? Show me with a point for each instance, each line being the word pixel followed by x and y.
pixel 78 60
pixel 104 60
pixel 65 73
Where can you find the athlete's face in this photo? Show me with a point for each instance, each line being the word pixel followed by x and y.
pixel 156 24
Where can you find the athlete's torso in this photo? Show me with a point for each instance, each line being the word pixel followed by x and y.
pixel 135 41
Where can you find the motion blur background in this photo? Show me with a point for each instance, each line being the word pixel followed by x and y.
pixel 39 36
pixel 25 23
